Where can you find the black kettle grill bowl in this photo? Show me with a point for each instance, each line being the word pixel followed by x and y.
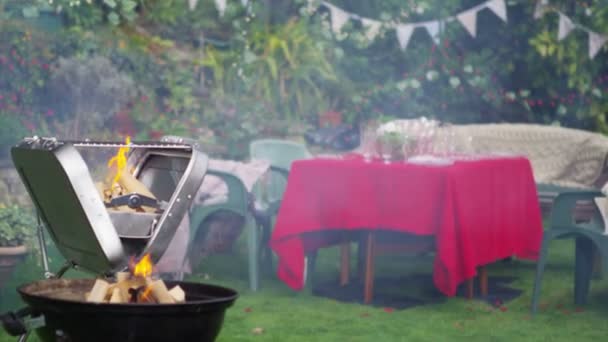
pixel 200 318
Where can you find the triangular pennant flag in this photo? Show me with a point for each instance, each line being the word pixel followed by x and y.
pixel 192 4
pixel 540 9
pixel 372 27
pixel 596 41
pixel 468 19
pixel 338 17
pixel 432 28
pixel 221 6
pixel 499 8
pixel 565 26
pixel 244 2
pixel 404 33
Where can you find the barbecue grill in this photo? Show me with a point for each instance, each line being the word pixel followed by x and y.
pixel 102 241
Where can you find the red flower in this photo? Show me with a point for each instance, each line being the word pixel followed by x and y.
pixel 144 98
pixel 45 66
pixel 503 308
pixel 49 112
pixel 248 309
pixel 388 310
pixel 29 126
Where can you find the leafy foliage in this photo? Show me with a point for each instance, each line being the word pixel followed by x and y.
pixel 17 225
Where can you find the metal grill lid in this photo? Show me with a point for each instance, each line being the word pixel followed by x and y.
pixel 60 185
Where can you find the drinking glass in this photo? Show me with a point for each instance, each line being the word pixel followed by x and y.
pixel 368 140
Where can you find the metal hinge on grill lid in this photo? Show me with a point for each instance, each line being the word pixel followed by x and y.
pixel 85 230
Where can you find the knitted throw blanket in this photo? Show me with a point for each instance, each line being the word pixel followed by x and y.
pixel 559 156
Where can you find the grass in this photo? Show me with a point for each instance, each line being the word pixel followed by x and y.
pixel 284 315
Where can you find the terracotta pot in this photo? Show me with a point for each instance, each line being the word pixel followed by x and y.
pixel 330 118
pixel 10 257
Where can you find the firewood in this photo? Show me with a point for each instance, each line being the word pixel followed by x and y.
pixel 116 296
pixel 132 185
pixel 131 283
pixel 99 291
pixel 160 292
pixel 122 276
pixel 178 294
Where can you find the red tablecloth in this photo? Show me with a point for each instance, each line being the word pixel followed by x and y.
pixel 479 211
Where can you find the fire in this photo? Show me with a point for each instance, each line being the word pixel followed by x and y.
pixel 120 159
pixel 143 268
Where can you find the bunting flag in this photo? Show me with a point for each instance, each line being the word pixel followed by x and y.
pixel 499 7
pixel 565 27
pixel 339 17
pixel 596 41
pixel 432 27
pixel 372 27
pixel 404 33
pixel 221 6
pixel 192 4
pixel 540 9
pixel 468 19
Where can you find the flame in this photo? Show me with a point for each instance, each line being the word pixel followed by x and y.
pixel 145 295
pixel 144 267
pixel 120 159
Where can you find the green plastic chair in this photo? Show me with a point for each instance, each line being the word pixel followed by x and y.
pixel 268 191
pixel 588 236
pixel 238 202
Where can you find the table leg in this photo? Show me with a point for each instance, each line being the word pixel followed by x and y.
pixel 597 263
pixel 470 287
pixel 361 245
pixel 369 268
pixel 344 263
pixel 483 280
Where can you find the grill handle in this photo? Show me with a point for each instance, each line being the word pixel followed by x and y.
pixel 21 322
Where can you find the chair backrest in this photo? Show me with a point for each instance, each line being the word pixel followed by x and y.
pixel 280 154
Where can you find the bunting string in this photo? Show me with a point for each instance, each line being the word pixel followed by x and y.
pixel 567 25
pixel 404 31
pixel 467 18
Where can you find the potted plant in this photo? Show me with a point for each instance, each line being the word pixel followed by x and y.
pixel 17 226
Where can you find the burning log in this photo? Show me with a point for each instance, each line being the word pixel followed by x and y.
pixel 120 182
pixel 116 296
pixel 136 287
pixel 131 185
pixel 179 296
pixel 99 291
pixel 135 290
pixel 160 291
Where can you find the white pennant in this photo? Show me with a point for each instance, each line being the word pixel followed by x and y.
pixel 565 27
pixel 499 8
pixel 596 41
pixel 432 28
pixel 244 2
pixel 338 17
pixel 468 19
pixel 404 33
pixel 192 4
pixel 221 6
pixel 540 9
pixel 372 27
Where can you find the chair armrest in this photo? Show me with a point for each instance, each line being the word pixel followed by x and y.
pixel 564 205
pixel 238 195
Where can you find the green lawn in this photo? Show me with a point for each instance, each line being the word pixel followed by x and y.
pixel 284 315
